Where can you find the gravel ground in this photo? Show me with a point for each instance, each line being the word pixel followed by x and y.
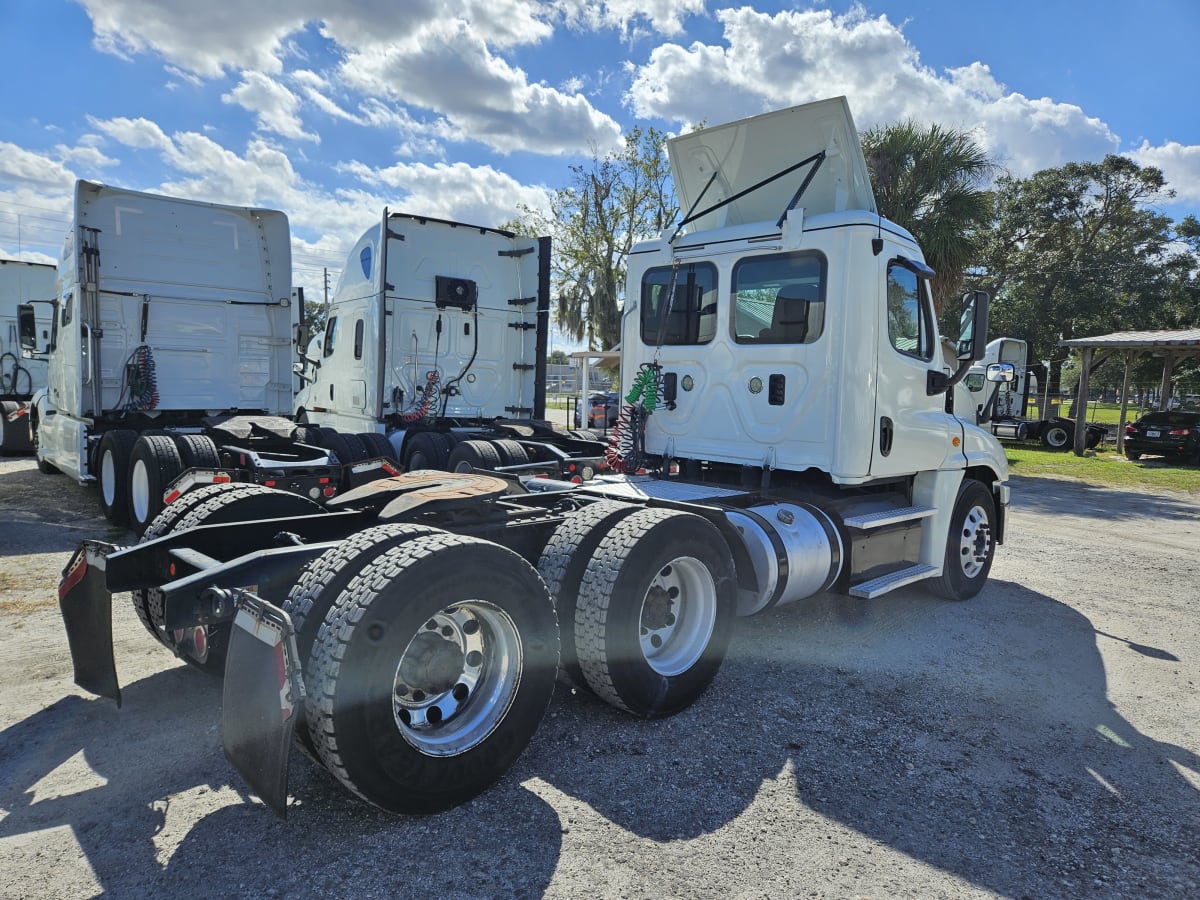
pixel 1039 740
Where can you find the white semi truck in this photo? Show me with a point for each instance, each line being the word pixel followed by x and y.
pixel 170 347
pixel 787 398
pixel 1003 406
pixel 436 337
pixel 20 283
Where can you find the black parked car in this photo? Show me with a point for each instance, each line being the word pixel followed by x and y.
pixel 1165 433
pixel 602 410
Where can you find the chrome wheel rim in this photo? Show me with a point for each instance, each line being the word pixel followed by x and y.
pixel 108 472
pixel 139 491
pixel 457 678
pixel 975 544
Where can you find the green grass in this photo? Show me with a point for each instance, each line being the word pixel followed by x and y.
pixel 1106 469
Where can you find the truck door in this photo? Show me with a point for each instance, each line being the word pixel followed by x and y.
pixel 913 432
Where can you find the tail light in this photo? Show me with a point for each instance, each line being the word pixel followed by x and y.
pixel 1131 429
pixel 1180 432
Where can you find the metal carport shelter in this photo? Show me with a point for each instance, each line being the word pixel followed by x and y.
pixel 1173 346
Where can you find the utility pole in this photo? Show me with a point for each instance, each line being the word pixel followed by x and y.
pixel 326 271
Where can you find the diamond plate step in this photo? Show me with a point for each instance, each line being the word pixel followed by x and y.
pixel 893 580
pixel 888 517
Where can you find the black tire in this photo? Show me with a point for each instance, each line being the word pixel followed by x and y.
pixel 205 646
pixel 511 453
pixel 326 577
pixel 348 447
pixel 14 432
pixel 1057 436
pixel 399 713
pixel 1093 438
pixel 563 563
pixel 427 450
pixel 153 464
pixel 970 543
pixel 112 473
pixel 626 605
pixel 147 603
pixel 377 445
pixel 1133 455
pixel 585 434
pixel 197 451
pixel 47 468
pixel 470 455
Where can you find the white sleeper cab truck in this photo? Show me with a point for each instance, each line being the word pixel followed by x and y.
pixel 787 403
pixel 20 378
pixel 1003 406
pixel 170 348
pixel 436 337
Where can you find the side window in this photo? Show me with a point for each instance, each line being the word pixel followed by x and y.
pixel 358 339
pixel 365 259
pixel 68 310
pixel 779 299
pixel 974 382
pixel 692 318
pixel 330 337
pixel 908 315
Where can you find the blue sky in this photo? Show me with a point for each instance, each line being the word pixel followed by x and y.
pixel 464 109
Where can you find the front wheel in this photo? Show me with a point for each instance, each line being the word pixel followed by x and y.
pixel 655 611
pixel 1133 455
pixel 970 544
pixel 431 672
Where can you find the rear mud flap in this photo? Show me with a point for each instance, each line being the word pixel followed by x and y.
pixel 264 693
pixel 86 607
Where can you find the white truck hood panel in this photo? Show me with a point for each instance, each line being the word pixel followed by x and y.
pixel 744 152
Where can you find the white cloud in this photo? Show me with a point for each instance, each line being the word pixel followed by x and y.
pixel 85 155
pixel 447 67
pixel 477 195
pixel 22 167
pixel 772 61
pixel 1180 166
pixel 633 18
pixel 275 107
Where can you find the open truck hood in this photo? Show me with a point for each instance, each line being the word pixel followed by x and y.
pixel 745 152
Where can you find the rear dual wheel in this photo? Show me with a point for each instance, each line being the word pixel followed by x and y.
pixel 432 672
pixel 655 611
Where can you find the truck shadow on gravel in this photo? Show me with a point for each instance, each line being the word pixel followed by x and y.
pixel 976 737
pixel 144 772
pixel 1058 496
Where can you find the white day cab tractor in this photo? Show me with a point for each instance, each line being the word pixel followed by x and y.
pixel 21 283
pixel 788 401
pixel 1003 406
pixel 436 338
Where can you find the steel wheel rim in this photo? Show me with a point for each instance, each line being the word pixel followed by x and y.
pixel 139 491
pixel 975 546
pixel 448 697
pixel 678 615
pixel 108 472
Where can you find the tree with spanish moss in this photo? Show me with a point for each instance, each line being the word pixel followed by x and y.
pixel 612 202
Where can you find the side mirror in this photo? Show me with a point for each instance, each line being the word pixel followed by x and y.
pixel 970 346
pixel 302 335
pixel 27 327
pixel 1002 373
pixel 973 325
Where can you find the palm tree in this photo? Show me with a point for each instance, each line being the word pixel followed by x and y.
pixel 930 181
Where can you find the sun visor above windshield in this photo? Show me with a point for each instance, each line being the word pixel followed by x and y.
pixel 745 152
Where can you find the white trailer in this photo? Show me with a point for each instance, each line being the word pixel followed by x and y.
pixel 170 348
pixel 788 398
pixel 21 283
pixel 436 336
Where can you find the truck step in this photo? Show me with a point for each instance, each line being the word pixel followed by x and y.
pixel 893 580
pixel 888 517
